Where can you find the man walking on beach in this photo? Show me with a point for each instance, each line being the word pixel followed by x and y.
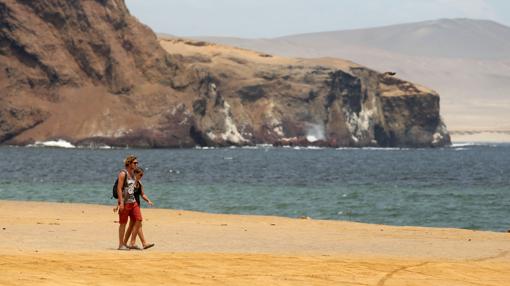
pixel 128 208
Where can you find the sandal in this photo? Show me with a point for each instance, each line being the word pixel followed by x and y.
pixel 147 246
pixel 134 247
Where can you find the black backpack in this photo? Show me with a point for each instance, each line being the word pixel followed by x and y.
pixel 114 190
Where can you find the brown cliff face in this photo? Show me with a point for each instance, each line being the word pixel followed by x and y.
pixel 77 43
pixel 250 97
pixel 88 72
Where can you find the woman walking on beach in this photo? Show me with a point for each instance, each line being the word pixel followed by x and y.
pixel 127 202
pixel 139 191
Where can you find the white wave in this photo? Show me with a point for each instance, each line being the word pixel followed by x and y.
pixel 105 147
pixel 52 143
pixel 265 145
pixel 315 132
pixel 95 146
pixel 252 147
pixel 303 147
pixel 385 148
pixel 465 144
pixel 204 148
pixel 314 148
pixel 374 148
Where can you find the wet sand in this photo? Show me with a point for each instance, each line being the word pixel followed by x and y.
pixel 75 244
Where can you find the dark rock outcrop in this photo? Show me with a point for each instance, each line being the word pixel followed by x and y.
pixel 14 120
pixel 89 72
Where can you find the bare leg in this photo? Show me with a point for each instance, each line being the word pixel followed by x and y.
pixel 129 231
pixel 122 229
pixel 140 235
pixel 134 233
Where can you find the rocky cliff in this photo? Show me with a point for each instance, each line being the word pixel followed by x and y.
pixel 90 73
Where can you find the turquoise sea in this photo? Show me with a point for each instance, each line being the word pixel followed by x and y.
pixel 464 186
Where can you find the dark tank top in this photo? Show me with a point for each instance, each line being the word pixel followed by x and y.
pixel 138 192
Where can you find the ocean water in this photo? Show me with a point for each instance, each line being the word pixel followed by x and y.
pixel 464 186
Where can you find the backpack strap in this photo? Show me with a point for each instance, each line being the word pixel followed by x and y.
pixel 124 185
pixel 125 179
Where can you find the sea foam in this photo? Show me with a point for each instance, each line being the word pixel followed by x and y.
pixel 52 143
pixel 466 144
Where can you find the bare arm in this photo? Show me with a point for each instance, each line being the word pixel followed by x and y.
pixel 144 196
pixel 120 186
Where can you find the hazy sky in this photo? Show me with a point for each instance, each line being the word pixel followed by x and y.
pixel 272 18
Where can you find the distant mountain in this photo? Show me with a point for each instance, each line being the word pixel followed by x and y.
pixel 457 38
pixel 447 38
pixel 467 61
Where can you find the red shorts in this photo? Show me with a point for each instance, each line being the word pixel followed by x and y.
pixel 131 210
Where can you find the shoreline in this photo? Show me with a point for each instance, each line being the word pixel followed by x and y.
pixel 68 244
pixel 475 139
pixel 300 218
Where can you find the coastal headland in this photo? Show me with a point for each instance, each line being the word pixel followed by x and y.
pixel 90 73
pixel 75 244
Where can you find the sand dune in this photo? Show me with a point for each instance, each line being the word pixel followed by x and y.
pixel 74 244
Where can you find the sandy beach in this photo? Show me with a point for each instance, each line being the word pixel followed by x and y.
pixel 75 244
pixel 484 137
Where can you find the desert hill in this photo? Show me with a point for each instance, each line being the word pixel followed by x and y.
pixel 466 61
pixel 90 73
pixel 444 38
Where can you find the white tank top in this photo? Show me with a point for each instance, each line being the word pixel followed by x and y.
pixel 129 190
